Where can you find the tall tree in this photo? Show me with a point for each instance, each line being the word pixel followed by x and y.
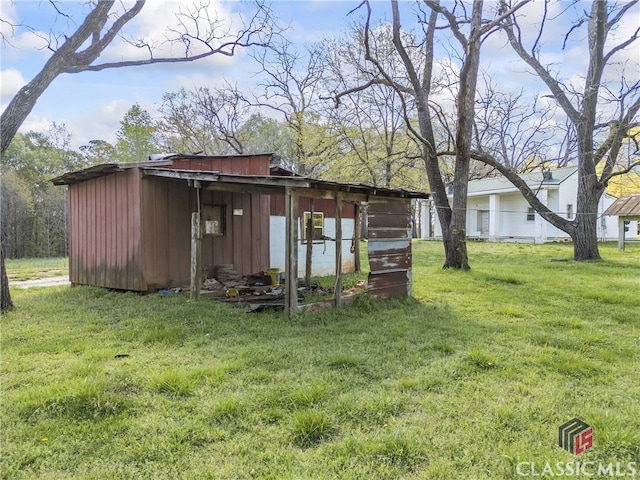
pixel 601 112
pixel 417 82
pixel 78 52
pixel 292 87
pixel 135 136
pixel 377 147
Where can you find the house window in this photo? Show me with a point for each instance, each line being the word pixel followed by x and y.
pixel 213 220
pixel 531 214
pixel 318 225
pixel 569 211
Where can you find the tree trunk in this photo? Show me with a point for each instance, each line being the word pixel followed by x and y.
pixel 585 234
pixel 585 242
pixel 5 295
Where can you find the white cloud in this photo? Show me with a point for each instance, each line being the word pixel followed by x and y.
pixel 100 123
pixel 36 123
pixel 11 81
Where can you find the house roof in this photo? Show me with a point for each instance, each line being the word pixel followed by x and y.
pixel 263 184
pixel 625 207
pixel 500 184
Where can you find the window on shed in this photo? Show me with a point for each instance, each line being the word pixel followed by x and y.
pixel 569 211
pixel 318 225
pixel 213 220
pixel 531 214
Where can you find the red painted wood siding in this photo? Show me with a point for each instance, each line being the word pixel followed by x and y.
pixel 104 244
pixel 166 212
pixel 242 165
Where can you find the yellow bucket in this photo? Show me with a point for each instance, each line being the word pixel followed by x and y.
pixel 274 273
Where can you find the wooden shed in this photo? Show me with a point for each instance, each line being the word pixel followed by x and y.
pixel 627 209
pixel 159 224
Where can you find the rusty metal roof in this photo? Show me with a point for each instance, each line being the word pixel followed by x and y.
pixel 269 184
pixel 275 185
pixel 102 170
pixel 625 207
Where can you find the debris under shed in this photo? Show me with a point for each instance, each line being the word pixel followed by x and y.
pixel 258 292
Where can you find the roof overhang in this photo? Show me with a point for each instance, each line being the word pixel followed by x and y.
pixel 257 184
pixel 279 185
pixel 625 207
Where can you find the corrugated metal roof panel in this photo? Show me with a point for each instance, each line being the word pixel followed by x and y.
pixel 625 207
pixel 389 249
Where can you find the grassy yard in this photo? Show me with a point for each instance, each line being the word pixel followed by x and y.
pixel 30 268
pixel 464 381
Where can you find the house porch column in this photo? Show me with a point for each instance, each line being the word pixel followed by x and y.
pixel 494 217
pixel 540 223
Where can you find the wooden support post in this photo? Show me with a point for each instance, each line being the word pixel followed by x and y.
pixel 356 238
pixel 338 285
pixel 291 248
pixel 309 233
pixel 196 256
pixel 621 234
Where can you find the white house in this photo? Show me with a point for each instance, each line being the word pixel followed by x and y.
pixel 497 211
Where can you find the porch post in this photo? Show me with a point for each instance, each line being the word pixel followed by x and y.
pixel 196 257
pixel 494 217
pixel 291 249
pixel 338 285
pixel 356 235
pixel 310 229
pixel 541 223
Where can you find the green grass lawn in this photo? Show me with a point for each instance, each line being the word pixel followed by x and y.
pixel 464 381
pixel 30 268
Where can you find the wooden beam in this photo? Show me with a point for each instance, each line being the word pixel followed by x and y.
pixel 338 285
pixel 291 261
pixel 310 229
pixel 331 194
pixel 240 188
pixel 196 256
pixel 621 234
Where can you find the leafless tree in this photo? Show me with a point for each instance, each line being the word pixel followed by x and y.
pixel 469 31
pixel 519 133
pixel 291 85
pixel 601 112
pixel 205 119
pixel 377 145
pixel 198 32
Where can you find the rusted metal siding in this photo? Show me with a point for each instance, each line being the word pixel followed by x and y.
pixel 237 165
pixel 104 216
pixel 389 248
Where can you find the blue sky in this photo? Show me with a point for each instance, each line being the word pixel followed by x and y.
pixel 92 104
